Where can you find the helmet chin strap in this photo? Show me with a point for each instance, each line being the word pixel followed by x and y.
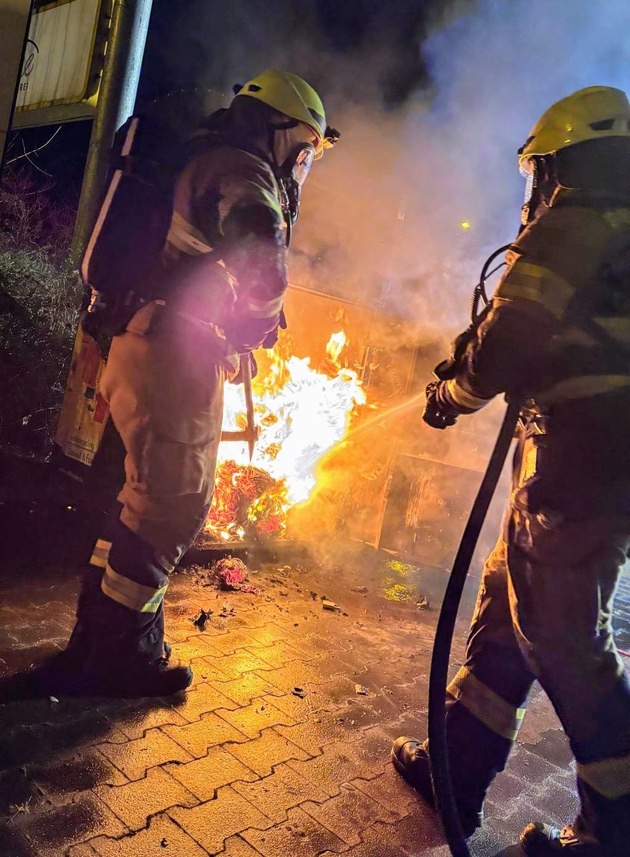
pixel 271 139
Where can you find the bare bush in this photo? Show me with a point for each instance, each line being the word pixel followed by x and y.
pixel 39 299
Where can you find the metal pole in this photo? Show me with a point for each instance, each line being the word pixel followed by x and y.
pixel 116 100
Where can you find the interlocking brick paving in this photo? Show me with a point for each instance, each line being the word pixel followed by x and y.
pixel 621 612
pixel 280 747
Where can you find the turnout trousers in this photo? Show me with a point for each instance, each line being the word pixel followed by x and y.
pixel 544 612
pixel 164 387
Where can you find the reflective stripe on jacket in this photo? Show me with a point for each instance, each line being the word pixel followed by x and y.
pixel 227 200
pixel 532 341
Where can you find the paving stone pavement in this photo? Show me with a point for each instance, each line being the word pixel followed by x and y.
pixel 621 613
pixel 281 745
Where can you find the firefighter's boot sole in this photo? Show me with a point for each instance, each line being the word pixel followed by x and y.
pixel 411 760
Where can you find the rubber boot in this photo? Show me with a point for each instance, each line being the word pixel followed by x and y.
pixel 411 759
pixel 601 829
pixel 132 663
pixel 114 651
pixel 476 755
pixel 544 840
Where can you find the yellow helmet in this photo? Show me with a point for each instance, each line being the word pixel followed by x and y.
pixel 588 114
pixel 291 95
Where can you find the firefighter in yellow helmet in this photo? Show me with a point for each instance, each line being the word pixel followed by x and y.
pixel 219 297
pixel 556 337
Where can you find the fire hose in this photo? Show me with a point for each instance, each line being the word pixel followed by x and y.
pixel 438 677
pixel 438 752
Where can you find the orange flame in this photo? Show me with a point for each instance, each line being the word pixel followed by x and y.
pixel 335 346
pixel 302 414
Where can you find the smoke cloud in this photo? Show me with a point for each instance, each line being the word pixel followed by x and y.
pixel 432 107
pixel 404 183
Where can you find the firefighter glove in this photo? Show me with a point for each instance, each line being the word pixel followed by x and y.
pixel 439 412
pixel 272 337
pixel 248 333
pixel 238 378
pixel 449 368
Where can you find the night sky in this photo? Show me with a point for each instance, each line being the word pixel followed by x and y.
pixel 432 100
pixel 188 42
pixel 191 47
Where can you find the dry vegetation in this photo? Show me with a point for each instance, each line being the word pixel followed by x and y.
pixel 39 298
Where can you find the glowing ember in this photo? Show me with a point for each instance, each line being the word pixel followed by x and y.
pixel 336 344
pixel 302 413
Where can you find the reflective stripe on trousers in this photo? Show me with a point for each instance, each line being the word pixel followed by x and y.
pixel 544 612
pixel 100 553
pixel 129 593
pixel 166 401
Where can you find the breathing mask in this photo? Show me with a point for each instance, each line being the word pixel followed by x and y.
pixel 540 187
pixel 530 202
pixel 293 145
pixel 292 175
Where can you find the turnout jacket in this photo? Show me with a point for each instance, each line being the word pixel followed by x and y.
pixel 557 335
pixel 225 249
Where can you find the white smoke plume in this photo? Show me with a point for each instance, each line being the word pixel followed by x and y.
pixel 382 213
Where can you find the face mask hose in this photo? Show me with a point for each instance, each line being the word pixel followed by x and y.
pixel 447 368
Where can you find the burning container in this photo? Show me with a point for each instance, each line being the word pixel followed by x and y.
pixel 342 450
pixel 335 367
